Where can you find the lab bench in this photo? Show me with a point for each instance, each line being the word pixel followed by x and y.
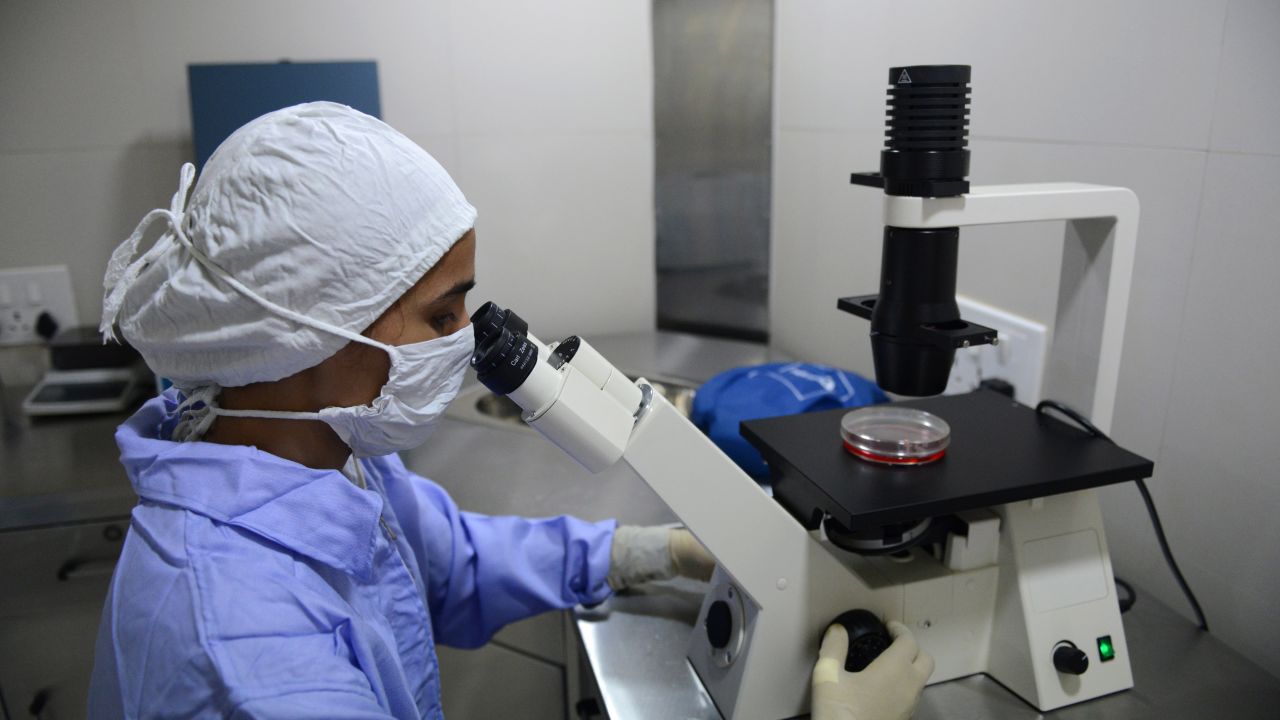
pixel 64 502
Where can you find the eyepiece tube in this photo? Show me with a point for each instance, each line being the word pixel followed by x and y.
pixel 491 317
pixel 582 416
pixel 599 371
pixel 503 359
pixel 510 362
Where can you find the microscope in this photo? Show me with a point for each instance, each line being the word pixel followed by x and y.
pixel 991 549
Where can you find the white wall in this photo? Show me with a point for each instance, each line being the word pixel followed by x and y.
pixel 1176 100
pixel 541 111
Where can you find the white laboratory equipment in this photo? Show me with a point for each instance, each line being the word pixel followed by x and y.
pixel 994 554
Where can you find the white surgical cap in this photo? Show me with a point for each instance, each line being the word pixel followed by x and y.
pixel 319 209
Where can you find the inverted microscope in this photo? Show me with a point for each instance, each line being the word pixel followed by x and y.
pixel 970 518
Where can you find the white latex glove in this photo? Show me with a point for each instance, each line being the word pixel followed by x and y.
pixel 644 554
pixel 887 689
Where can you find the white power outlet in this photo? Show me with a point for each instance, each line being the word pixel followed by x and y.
pixel 25 293
pixel 1019 358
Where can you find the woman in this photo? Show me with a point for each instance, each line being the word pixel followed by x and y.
pixel 308 301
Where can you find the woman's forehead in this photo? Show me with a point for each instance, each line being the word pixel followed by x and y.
pixel 452 275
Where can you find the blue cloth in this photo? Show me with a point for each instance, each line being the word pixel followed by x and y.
pixel 251 586
pixel 771 390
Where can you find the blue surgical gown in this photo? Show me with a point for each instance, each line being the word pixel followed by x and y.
pixel 252 586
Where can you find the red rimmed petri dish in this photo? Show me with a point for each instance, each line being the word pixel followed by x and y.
pixel 890 435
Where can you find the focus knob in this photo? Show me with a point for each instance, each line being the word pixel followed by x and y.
pixel 1069 659
pixel 868 637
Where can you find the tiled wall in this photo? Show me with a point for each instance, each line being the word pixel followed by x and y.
pixel 542 112
pixel 1177 100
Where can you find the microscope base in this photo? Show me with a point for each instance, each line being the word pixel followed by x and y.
pixel 1052 585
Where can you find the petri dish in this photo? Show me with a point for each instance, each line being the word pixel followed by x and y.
pixel 891 435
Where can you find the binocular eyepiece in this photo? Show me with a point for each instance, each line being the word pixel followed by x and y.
pixel 504 355
pixel 568 391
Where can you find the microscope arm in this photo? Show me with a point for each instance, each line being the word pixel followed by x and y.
pixel 1097 269
pixel 750 534
pixel 776 587
pixel 795 585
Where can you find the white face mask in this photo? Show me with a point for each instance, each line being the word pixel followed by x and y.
pixel 424 378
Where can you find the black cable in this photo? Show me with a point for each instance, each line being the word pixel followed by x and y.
pixel 1081 420
pixel 1151 509
pixel 1168 554
pixel 1126 603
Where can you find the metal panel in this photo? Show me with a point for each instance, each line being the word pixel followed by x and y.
pixel 52 585
pixel 499 682
pixel 713 86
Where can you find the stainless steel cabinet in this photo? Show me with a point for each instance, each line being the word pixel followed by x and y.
pixel 521 674
pixel 52 585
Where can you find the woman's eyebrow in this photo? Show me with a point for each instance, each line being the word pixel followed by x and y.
pixel 462 288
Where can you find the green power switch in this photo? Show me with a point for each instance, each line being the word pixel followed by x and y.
pixel 1106 651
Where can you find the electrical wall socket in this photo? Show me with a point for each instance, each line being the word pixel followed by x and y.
pixel 1019 358
pixel 25 293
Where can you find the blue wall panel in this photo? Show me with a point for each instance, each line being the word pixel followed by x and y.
pixel 224 97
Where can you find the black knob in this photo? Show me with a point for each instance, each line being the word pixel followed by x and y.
pixel 1069 659
pixel 719 625
pixel 868 637
pixel 588 709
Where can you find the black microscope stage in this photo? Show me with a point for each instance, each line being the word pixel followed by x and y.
pixel 1000 452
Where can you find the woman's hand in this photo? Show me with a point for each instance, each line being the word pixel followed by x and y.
pixel 690 558
pixel 645 554
pixel 887 689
